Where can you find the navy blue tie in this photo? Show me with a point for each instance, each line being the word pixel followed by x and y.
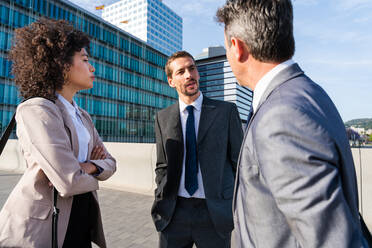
pixel 191 164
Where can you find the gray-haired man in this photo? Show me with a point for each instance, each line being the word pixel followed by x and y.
pixel 296 184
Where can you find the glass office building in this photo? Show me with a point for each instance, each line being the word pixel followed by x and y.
pixel 217 81
pixel 130 84
pixel 150 20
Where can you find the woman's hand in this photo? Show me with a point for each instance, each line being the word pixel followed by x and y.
pixel 98 153
pixel 88 168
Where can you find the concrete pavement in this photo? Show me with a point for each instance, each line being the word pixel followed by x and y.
pixel 126 216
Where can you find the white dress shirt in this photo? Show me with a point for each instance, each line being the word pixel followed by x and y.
pixel 82 132
pixel 199 193
pixel 266 80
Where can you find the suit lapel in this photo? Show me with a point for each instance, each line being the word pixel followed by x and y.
pixel 207 116
pixel 69 125
pixel 174 134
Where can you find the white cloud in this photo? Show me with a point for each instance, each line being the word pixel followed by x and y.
pixel 362 19
pixel 352 4
pixel 342 36
pixel 336 31
pixel 342 63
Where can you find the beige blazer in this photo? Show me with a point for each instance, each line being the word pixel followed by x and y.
pixel 49 143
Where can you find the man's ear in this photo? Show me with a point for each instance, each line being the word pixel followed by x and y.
pixel 170 82
pixel 239 49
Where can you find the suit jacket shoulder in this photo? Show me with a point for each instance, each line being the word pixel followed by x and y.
pixel 40 104
pixel 170 109
pixel 218 103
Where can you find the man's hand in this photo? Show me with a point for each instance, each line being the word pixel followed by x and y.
pixel 98 153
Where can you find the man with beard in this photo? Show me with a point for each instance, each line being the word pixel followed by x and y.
pixel 198 141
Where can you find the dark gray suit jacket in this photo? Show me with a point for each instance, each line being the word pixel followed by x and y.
pixel 219 140
pixel 296 184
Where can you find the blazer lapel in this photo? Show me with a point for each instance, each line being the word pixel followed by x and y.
pixel 87 124
pixel 207 116
pixel 69 125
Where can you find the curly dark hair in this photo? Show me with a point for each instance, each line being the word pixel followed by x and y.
pixel 42 54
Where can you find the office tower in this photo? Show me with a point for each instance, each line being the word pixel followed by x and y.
pixel 150 20
pixel 217 81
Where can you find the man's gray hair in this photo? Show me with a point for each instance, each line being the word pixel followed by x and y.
pixel 265 26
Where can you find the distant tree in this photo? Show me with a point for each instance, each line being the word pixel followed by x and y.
pixel 365 123
pixel 370 138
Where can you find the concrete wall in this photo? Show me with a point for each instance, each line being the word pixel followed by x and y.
pixel 363 167
pixel 136 165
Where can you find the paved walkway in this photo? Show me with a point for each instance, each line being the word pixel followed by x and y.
pixel 126 216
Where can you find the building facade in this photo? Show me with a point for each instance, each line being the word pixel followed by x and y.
pixel 130 85
pixel 150 20
pixel 217 81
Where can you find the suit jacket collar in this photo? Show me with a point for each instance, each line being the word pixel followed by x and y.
pixel 285 75
pixel 207 116
pixel 265 81
pixel 70 126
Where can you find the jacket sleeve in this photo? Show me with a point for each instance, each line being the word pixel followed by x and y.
pixel 235 137
pixel 161 163
pixel 42 135
pixel 299 162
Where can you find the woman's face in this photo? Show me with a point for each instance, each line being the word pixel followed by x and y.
pixel 81 73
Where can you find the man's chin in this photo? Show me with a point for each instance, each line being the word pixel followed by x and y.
pixel 192 93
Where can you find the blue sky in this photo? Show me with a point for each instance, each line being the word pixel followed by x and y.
pixel 333 44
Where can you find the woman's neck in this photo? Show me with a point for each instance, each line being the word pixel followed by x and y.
pixel 67 93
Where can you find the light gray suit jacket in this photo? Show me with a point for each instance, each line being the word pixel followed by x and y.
pixel 49 143
pixel 296 183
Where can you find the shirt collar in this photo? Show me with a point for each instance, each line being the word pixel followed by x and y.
pixel 72 109
pixel 265 81
pixel 197 103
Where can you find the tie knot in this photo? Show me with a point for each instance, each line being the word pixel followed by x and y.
pixel 190 109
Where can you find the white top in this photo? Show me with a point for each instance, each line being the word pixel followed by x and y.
pixel 82 132
pixel 266 80
pixel 199 193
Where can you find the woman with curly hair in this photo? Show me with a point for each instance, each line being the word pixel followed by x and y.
pixel 58 140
